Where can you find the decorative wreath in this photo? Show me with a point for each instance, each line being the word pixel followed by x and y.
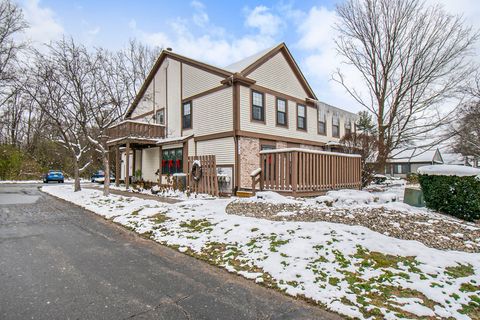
pixel 196 171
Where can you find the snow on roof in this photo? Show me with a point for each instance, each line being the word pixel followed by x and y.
pixel 453 158
pixel 244 63
pixel 415 155
pixel 173 139
pixel 448 170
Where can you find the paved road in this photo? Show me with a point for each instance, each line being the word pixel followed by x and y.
pixel 58 261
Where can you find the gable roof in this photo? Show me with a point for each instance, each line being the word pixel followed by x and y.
pixel 163 55
pixel 240 65
pixel 249 64
pixel 242 68
pixel 415 155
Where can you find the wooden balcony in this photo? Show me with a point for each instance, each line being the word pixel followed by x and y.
pixel 135 132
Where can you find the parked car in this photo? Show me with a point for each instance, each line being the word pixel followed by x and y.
pixel 53 175
pixel 99 176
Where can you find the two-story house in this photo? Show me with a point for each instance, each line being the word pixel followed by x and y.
pixel 186 108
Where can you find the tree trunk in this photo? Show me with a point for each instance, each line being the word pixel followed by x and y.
pixel 76 174
pixel 106 166
pixel 381 160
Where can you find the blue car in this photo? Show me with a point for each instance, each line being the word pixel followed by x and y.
pixel 53 175
pixel 99 175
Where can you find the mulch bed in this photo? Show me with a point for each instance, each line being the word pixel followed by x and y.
pixel 432 229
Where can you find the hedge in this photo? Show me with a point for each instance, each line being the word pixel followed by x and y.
pixel 457 196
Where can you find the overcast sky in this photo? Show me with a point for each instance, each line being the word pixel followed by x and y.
pixel 217 32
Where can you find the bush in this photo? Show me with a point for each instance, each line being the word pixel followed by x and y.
pixel 412 178
pixel 457 196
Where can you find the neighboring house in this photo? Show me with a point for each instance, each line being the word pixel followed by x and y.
pixel 408 161
pixel 459 159
pixel 189 108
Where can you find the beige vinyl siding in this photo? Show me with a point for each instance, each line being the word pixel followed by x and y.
pixel 196 81
pixel 277 75
pixel 150 163
pixel 270 126
pixel 174 102
pixel 223 149
pixel 161 86
pixel 213 113
pixel 146 103
pixel 191 147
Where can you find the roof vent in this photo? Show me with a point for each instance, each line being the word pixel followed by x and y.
pixel 169 49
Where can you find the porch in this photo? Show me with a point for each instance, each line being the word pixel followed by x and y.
pixel 129 136
pixel 301 172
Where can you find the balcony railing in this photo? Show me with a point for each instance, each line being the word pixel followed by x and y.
pixel 130 129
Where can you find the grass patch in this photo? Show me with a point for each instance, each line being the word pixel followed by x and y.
pixel 160 218
pixel 460 271
pixel 468 287
pixel 197 225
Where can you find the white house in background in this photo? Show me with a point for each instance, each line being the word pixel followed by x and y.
pixel 190 108
pixel 458 159
pixel 408 161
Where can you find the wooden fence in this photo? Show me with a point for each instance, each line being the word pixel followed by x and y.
pixel 208 182
pixel 305 172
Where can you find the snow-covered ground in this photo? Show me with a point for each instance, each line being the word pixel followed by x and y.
pixel 20 181
pixel 348 269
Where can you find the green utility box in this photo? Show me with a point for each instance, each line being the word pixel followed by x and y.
pixel 414 197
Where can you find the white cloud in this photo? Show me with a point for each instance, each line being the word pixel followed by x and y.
pixel 207 42
pixel 262 18
pixel 200 17
pixel 43 24
pixel 320 61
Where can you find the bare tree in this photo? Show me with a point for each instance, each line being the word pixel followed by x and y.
pixel 363 141
pixel 466 129
pixel 118 78
pixel 412 59
pixel 57 86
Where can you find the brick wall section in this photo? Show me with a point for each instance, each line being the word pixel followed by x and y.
pixel 249 159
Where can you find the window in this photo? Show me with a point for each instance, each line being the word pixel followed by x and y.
pixel 322 121
pixel 187 115
pixel 281 112
pixel 258 106
pixel 348 127
pixel 160 116
pixel 172 161
pixel 336 124
pixel 301 117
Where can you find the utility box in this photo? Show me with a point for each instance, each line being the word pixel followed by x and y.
pixel 414 197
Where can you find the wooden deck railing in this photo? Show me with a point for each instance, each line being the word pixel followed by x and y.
pixel 306 172
pixel 135 129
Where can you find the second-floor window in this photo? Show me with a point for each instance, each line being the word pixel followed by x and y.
pixel 281 112
pixel 258 106
pixel 301 117
pixel 348 127
pixel 322 121
pixel 336 124
pixel 187 115
pixel 160 116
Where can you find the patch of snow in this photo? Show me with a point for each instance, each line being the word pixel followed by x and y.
pixel 269 197
pixel 286 250
pixel 448 170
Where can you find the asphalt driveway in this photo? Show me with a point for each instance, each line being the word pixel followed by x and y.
pixel 58 261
